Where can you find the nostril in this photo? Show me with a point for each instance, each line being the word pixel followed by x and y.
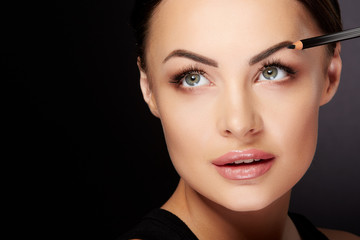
pixel 251 131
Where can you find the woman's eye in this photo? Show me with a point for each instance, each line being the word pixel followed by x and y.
pixel 273 73
pixel 194 80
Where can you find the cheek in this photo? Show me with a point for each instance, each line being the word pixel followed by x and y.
pixel 294 124
pixel 292 128
pixel 188 121
pixel 297 134
pixel 186 125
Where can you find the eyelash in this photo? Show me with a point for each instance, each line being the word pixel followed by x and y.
pixel 193 69
pixel 277 63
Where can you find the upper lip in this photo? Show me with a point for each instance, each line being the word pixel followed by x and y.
pixel 240 155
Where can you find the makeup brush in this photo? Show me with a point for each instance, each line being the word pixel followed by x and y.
pixel 326 39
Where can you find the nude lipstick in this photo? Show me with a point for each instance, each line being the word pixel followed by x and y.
pixel 243 165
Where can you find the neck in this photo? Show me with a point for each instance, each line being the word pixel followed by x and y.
pixel 209 220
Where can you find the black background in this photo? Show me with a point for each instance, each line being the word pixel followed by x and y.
pixel 83 158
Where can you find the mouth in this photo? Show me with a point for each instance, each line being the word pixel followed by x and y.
pixel 243 165
pixel 246 161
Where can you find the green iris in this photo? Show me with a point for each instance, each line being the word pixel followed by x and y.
pixel 192 79
pixel 270 73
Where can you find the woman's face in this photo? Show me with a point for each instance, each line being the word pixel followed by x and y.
pixel 219 101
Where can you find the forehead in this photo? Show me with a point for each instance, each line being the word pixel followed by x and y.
pixel 225 27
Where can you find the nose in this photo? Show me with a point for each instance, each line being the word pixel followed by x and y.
pixel 239 115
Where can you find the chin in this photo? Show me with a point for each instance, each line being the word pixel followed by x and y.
pixel 257 199
pixel 241 206
pixel 248 203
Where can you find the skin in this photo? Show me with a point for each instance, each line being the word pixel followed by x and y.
pixel 235 110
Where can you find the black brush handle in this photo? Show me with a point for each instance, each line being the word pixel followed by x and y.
pixel 331 38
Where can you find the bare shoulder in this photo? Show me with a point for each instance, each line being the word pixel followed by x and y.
pixel 338 234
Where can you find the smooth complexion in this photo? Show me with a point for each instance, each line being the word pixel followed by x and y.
pixel 231 102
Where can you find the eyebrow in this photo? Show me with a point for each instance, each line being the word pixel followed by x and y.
pixel 202 59
pixel 271 50
pixel 193 56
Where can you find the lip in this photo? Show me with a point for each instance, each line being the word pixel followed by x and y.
pixel 243 171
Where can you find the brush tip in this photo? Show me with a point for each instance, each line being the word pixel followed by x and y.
pixel 296 45
pixel 292 46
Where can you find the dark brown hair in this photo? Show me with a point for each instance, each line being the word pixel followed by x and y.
pixel 325 12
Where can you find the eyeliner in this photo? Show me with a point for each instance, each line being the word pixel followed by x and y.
pixel 326 39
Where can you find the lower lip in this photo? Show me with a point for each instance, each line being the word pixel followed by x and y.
pixel 246 170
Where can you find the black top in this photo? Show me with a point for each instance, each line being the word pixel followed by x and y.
pixel 163 225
